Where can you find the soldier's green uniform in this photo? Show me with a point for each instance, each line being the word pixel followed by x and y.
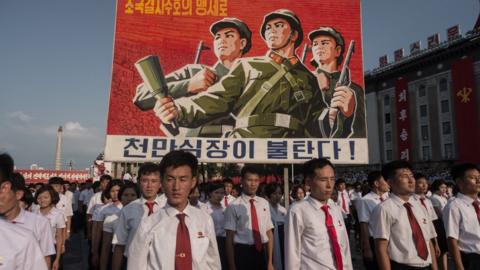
pixel 286 110
pixel 178 80
pixel 355 125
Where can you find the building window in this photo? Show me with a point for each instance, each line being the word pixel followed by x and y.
pixel 388 136
pixel 421 90
pixel 446 130
pixel 443 85
pixel 424 130
pixel 448 150
pixel 387 118
pixel 426 153
pixel 444 106
pixel 386 100
pixel 423 110
pixel 389 155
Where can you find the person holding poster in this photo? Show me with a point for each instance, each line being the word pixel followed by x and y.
pixel 231 40
pixel 328 48
pixel 271 96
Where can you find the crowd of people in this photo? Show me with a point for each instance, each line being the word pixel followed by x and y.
pixel 398 219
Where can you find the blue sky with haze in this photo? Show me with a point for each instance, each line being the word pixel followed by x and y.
pixel 56 56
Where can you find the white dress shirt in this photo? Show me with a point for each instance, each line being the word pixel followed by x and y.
pixel 428 206
pixel 238 219
pixel 439 201
pixel 110 223
pixel 96 199
pixel 307 243
pixel 85 196
pixel 130 217
pixel 230 199
pixel 154 247
pixel 218 216
pixel 366 206
pixel 18 249
pixel 65 206
pixel 40 226
pixel 347 202
pixel 390 222
pixel 70 198
pixel 279 214
pixel 96 211
pixel 109 209
pixel 461 223
pixel 57 220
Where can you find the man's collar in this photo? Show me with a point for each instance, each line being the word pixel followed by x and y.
pixel 400 202
pixel 316 203
pixel 466 199
pixel 20 218
pixel 247 198
pixel 172 211
pixel 279 59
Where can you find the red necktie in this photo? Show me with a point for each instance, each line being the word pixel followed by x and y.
pixel 418 238
pixel 344 205
pixel 422 200
pixel 226 201
pixel 476 205
pixel 150 207
pixel 255 228
pixel 183 250
pixel 381 199
pixel 337 255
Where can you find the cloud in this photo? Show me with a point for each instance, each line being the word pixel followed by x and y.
pixel 20 116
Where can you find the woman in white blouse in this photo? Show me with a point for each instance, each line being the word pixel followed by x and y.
pixel 439 201
pixel 274 193
pixel 47 198
pixel 127 194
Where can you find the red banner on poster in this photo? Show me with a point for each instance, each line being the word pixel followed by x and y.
pixel 42 176
pixel 403 119
pixel 467 124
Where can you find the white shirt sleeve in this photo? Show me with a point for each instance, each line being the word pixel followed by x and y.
pixel 31 257
pixel 212 256
pixel 451 220
pixel 293 244
pixel 230 218
pixel 47 244
pixel 381 223
pixel 120 235
pixel 363 213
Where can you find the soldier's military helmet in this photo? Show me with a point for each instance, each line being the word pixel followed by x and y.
pixel 287 15
pixel 241 27
pixel 328 31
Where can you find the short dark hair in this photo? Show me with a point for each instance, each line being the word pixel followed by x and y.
pixel 111 184
pixel 252 170
pixel 95 185
pixel 372 177
pixel 55 180
pixel 436 185
pixel 214 186
pixel 295 190
pixel 105 177
pixel 227 181
pixel 458 171
pixel 27 197
pixel 148 168
pixel 271 188
pixel 127 186
pixel 310 166
pixel 419 176
pixel 339 181
pixel 179 158
pixel 389 169
pixel 6 167
pixel 53 194
pixel 18 181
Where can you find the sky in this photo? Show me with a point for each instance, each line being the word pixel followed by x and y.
pixel 56 64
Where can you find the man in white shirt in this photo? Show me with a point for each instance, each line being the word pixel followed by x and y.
pixel 315 234
pixel 228 198
pixel 401 226
pixel 379 192
pixel 344 202
pixel 64 204
pixel 19 249
pixel 183 236
pixel 96 200
pixel 462 218
pixel 10 211
pixel 248 226
pixel 136 212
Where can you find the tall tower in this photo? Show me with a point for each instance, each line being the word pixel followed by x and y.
pixel 58 152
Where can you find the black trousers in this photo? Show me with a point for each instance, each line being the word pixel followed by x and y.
pixel 470 261
pixel 401 266
pixel 248 258
pixel 222 252
pixel 371 264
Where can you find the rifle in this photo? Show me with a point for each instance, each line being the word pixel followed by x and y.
pixel 151 72
pixel 304 52
pixel 200 48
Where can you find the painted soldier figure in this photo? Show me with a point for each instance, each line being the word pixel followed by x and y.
pixel 271 96
pixel 328 48
pixel 231 40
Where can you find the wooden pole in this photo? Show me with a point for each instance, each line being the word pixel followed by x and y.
pixel 286 193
